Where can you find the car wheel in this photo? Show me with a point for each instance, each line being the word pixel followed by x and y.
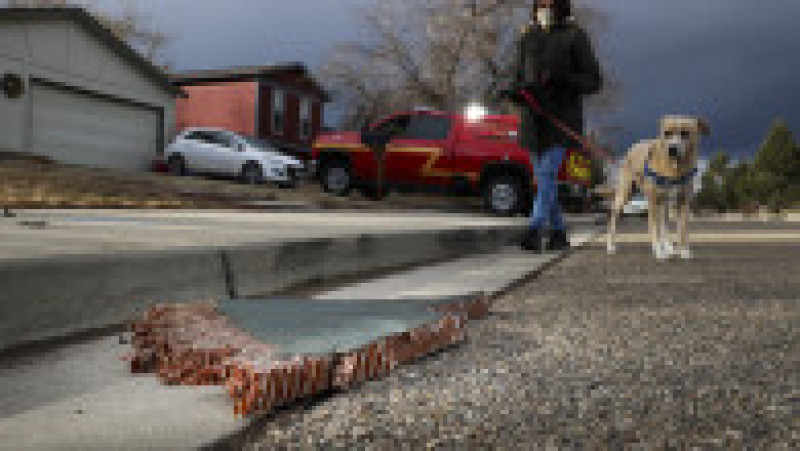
pixel 252 174
pixel 294 179
pixel 176 165
pixel 503 195
pixel 337 178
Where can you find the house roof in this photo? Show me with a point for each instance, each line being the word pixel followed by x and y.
pixel 247 73
pixel 95 28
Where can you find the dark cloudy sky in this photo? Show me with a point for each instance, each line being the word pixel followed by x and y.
pixel 736 62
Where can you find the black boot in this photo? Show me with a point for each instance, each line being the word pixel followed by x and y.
pixel 558 241
pixel 532 241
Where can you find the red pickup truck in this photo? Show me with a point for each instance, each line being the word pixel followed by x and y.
pixel 439 151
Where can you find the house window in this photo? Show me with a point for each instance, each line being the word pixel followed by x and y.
pixel 278 111
pixel 305 118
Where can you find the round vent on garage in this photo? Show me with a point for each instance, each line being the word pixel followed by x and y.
pixel 13 86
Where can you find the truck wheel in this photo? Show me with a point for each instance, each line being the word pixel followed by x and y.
pixel 252 174
pixel 336 178
pixel 503 195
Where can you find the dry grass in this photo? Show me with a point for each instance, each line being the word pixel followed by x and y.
pixel 35 182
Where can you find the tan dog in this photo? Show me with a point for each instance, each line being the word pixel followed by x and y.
pixel 664 170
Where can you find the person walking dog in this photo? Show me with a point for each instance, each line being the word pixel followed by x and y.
pixel 556 63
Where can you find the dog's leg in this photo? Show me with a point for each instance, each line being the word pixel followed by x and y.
pixel 666 239
pixel 620 199
pixel 654 216
pixel 611 234
pixel 683 224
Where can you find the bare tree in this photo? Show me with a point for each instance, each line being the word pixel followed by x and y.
pixel 438 53
pixel 138 30
pixel 131 26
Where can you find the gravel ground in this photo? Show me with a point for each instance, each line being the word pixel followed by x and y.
pixel 597 352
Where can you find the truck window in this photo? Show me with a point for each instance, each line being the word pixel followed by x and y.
pixel 428 126
pixel 394 126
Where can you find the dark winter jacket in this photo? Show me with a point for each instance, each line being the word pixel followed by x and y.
pixel 564 52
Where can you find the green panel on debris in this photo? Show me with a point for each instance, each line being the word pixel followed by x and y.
pixel 318 326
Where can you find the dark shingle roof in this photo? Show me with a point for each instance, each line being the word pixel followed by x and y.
pixel 237 72
pixel 94 27
pixel 245 73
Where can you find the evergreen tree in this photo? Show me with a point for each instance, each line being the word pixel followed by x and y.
pixel 778 165
pixel 779 152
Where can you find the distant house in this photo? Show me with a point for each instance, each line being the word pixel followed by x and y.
pixel 73 92
pixel 281 104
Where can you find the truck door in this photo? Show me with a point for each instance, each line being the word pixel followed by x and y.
pixel 391 127
pixel 420 154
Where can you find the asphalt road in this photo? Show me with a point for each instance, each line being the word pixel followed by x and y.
pixel 601 351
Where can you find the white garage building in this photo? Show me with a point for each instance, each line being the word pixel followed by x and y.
pixel 73 92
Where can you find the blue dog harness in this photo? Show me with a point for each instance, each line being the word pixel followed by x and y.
pixel 661 180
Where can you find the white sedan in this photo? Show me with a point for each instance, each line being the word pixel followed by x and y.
pixel 221 152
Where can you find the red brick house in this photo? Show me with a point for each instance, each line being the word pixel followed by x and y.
pixel 282 104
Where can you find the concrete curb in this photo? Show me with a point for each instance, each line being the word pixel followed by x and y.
pixel 58 297
pixel 240 437
pixel 754 217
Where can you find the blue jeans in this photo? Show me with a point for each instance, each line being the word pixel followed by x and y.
pixel 545 206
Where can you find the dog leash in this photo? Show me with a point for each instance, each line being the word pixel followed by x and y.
pixel 583 141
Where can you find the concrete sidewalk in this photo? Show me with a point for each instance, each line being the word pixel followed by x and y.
pixel 82 397
pixel 62 272
pixel 36 234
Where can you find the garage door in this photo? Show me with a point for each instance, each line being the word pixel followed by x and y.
pixel 77 128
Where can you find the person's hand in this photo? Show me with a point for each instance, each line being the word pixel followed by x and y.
pixel 545 78
pixel 537 90
pixel 514 94
pixel 551 79
pixel 511 93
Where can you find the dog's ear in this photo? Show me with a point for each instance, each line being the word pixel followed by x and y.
pixel 662 125
pixel 703 127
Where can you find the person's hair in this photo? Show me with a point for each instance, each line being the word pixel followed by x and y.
pixel 563 10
